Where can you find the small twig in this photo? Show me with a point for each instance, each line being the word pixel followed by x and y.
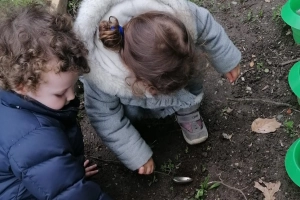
pixel 118 162
pixel 265 101
pixel 106 161
pixel 230 187
pixel 261 100
pixel 161 173
pixel 247 6
pixel 242 74
pixel 290 61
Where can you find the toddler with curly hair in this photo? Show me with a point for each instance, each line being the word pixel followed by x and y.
pixel 41 143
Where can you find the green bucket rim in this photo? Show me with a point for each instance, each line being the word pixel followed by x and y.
pixel 294 79
pixel 289 16
pixel 291 164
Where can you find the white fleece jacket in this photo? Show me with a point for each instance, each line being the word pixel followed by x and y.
pixel 109 99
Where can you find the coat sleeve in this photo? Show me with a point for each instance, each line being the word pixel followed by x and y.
pixel 107 116
pixel 44 162
pixel 222 53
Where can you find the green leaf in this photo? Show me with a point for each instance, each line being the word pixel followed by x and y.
pixel 215 185
pixel 200 193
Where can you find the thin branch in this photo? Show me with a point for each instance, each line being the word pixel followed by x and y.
pixel 242 74
pixel 264 101
pixel 261 100
pixel 106 161
pixel 161 173
pixel 228 186
pixel 290 61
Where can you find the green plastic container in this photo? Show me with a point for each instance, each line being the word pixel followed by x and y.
pixel 294 78
pixel 290 13
pixel 292 162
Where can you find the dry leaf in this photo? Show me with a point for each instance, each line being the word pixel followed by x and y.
pixel 260 125
pixel 264 88
pixel 227 136
pixel 229 110
pixel 289 111
pixel 269 189
pixel 251 63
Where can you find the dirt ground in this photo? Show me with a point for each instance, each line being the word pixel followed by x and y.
pixel 258 31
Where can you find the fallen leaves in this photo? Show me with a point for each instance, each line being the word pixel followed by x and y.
pixel 268 189
pixel 260 125
pixel 227 136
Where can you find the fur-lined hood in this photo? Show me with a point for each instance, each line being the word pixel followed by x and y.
pixel 107 70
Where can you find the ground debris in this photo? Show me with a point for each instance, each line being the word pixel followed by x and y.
pixel 268 189
pixel 261 125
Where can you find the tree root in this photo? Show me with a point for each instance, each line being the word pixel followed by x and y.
pixel 106 161
pixel 289 61
pixel 265 101
pixel 230 187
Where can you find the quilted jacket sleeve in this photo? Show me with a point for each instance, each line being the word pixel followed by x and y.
pixel 107 117
pixel 47 168
pixel 222 53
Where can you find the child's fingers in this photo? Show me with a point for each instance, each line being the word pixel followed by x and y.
pixel 91 168
pixel 229 76
pixel 235 73
pixel 91 173
pixel 141 170
pixel 85 164
pixel 149 170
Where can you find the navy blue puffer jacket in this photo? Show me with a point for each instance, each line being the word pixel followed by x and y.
pixel 41 152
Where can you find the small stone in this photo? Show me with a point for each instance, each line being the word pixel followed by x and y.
pixel 279 117
pixel 204 154
pixel 220 82
pixel 267 70
pixel 265 87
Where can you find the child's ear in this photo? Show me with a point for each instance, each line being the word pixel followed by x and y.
pixel 152 91
pixel 21 90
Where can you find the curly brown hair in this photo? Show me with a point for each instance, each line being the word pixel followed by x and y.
pixel 30 38
pixel 157 48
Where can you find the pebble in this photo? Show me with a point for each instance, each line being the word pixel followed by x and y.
pixel 279 117
pixel 248 88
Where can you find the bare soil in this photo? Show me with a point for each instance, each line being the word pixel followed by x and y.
pixel 258 31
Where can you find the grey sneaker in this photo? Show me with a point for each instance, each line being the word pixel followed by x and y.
pixel 193 128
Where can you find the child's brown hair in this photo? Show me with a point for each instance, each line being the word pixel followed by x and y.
pixel 30 38
pixel 157 48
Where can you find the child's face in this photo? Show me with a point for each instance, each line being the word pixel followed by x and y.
pixel 56 89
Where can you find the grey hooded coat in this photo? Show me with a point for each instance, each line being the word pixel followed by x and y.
pixel 109 100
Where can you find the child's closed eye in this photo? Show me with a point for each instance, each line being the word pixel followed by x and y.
pixel 58 95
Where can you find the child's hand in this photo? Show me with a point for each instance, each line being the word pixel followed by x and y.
pixel 233 74
pixel 91 170
pixel 147 168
